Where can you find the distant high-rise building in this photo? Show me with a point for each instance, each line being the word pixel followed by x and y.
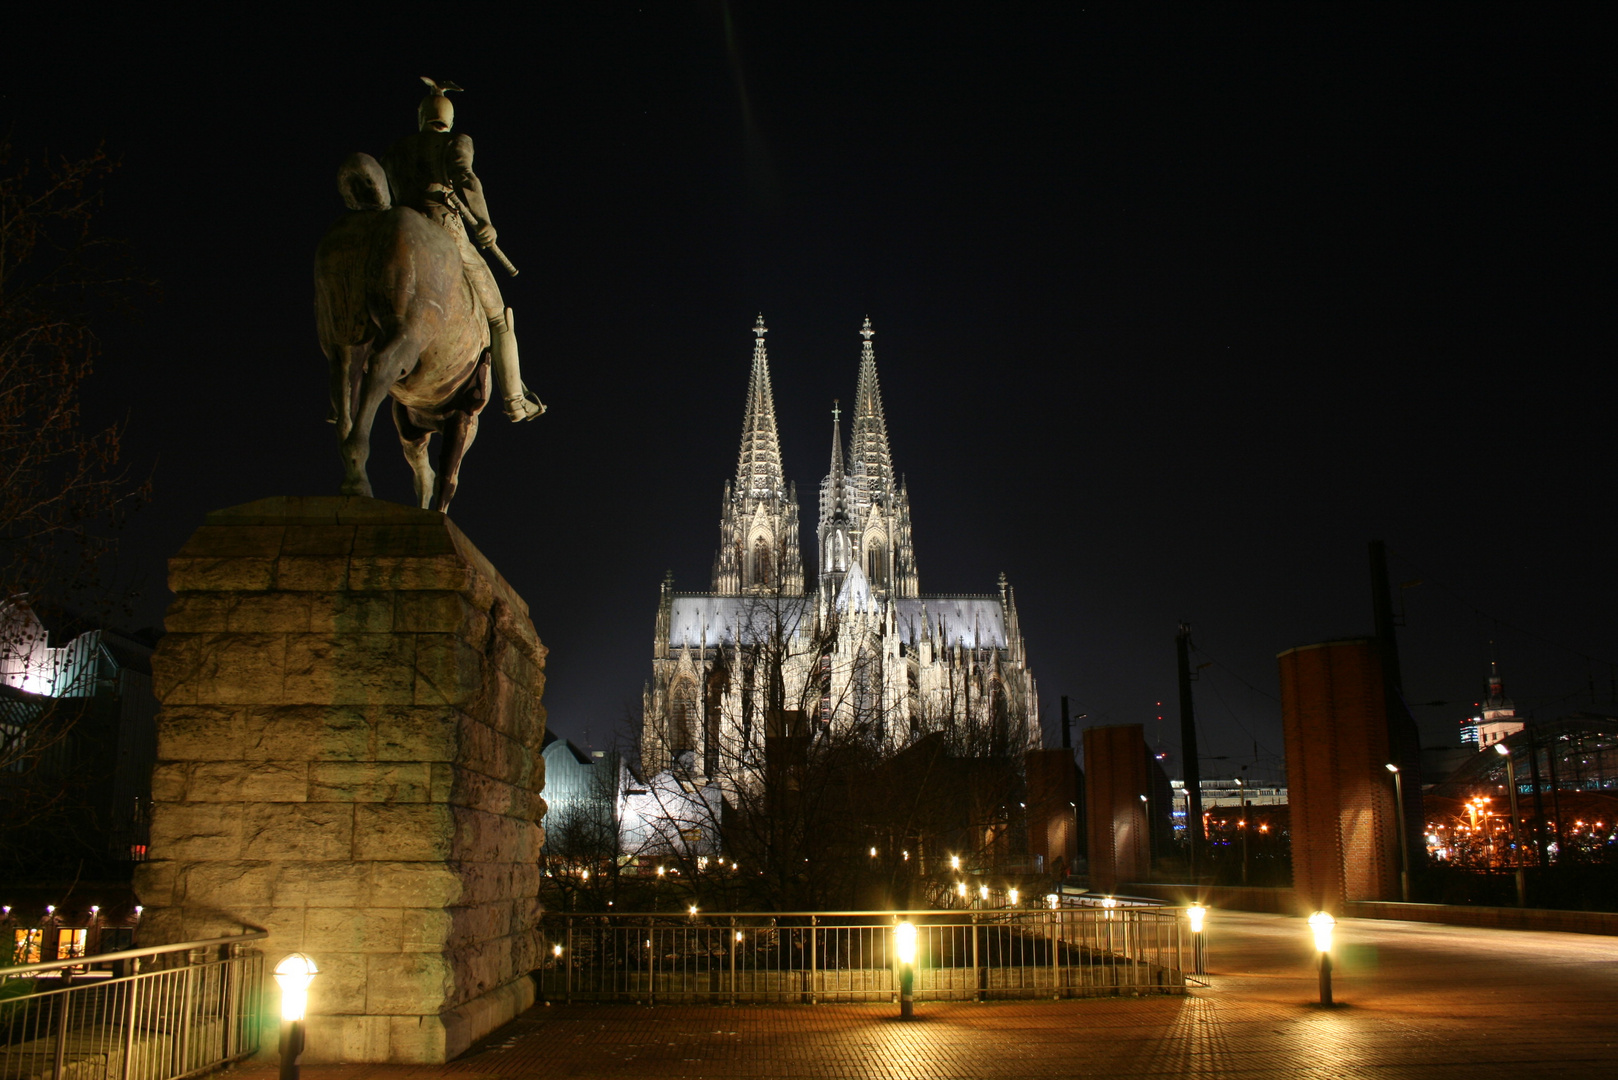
pixel 862 652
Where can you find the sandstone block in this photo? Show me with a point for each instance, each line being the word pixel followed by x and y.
pixel 168 782
pixel 318 540
pixel 334 1039
pixel 220 575
pixel 352 930
pixel 235 782
pixel 434 612
pixel 413 885
pixel 371 782
pixel 154 883
pixel 219 669
pixel 448 671
pixel 407 983
pixel 198 831
pixel 419 1039
pixel 311 831
pixel 191 613
pixel 198 733
pixel 349 669
pixel 403 833
pixel 352 613
pixel 378 573
pixel 413 539
pixel 323 884
pixel 307 732
pixel 269 612
pixel 239 883
pixel 311 573
pixel 341 984
pixel 421 733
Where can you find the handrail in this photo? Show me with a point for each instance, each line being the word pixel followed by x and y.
pixel 824 914
pixel 132 954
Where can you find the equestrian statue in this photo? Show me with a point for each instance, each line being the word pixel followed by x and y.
pixel 407 308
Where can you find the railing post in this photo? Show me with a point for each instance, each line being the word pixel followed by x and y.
pixel 187 1013
pixel 567 961
pixel 733 944
pixel 64 1007
pixel 813 921
pixel 130 1013
pixel 977 970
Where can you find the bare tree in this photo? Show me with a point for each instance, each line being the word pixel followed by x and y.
pixel 63 490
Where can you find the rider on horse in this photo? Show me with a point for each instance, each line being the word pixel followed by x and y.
pixel 431 172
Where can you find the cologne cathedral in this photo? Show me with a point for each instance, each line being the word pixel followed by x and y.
pixel 861 653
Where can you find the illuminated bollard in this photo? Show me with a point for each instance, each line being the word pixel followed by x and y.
pixel 1321 923
pixel 904 941
pixel 1196 913
pixel 295 972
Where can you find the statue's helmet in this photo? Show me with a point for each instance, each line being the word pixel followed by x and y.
pixel 435 111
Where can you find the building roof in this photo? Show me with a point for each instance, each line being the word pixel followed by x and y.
pixel 968 621
pixel 702 620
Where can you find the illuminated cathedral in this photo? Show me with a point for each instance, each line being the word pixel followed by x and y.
pixel 859 652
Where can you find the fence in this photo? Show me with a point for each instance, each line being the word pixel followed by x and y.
pixel 143 1014
pixel 849 955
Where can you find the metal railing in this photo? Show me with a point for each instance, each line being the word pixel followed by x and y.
pixel 142 1014
pixel 810 957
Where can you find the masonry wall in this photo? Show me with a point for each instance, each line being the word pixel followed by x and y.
pixel 1116 811
pixel 1344 822
pixel 349 757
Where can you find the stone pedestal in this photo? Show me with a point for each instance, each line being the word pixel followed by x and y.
pixel 349 758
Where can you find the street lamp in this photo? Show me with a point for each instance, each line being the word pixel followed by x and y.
pixel 1196 913
pixel 1011 897
pixel 295 972
pixel 1321 923
pixel 1404 841
pixel 904 941
pixel 1516 833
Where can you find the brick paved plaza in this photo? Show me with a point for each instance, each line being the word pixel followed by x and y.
pixel 1415 1000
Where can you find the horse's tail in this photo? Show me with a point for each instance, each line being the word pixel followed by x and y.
pixel 363 184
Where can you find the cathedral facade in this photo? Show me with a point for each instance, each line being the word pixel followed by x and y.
pixel 856 653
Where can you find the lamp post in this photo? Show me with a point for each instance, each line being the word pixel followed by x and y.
pixel 295 972
pixel 1404 840
pixel 1516 832
pixel 1321 923
pixel 1196 913
pixel 904 940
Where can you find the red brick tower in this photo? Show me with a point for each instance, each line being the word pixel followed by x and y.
pixel 1115 805
pixel 1345 833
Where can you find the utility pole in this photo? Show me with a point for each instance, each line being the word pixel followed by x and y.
pixel 1404 743
pixel 1188 751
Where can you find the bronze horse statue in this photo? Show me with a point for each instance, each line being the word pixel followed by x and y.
pixel 398 319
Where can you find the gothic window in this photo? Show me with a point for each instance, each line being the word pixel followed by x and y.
pixel 876 562
pixel 683 717
pixel 763 567
pixel 867 689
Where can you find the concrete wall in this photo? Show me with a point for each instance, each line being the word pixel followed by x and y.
pixel 1345 843
pixel 348 757
pixel 1115 807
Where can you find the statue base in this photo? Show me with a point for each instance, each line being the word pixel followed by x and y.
pixel 348 757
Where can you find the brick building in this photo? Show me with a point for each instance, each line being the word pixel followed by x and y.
pixel 1117 789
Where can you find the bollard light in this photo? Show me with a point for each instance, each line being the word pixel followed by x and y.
pixel 1051 900
pixel 295 972
pixel 556 951
pixel 954 862
pixel 904 943
pixel 1011 897
pixel 1321 923
pixel 873 853
pixel 960 889
pixel 1196 913
pixel 983 892
pixel 692 910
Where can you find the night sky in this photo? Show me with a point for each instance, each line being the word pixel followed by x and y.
pixel 1176 308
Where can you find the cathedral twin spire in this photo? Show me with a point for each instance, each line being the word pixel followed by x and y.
pixel 864 513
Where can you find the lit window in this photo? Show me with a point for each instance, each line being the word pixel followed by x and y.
pixel 25 946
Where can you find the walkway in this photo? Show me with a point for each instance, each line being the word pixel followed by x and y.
pixel 1415 1000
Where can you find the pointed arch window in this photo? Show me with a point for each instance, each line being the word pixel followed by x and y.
pixel 763 564
pixel 683 717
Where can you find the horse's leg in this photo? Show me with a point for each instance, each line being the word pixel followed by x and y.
pixel 347 363
pixel 458 436
pixel 388 365
pixel 414 439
